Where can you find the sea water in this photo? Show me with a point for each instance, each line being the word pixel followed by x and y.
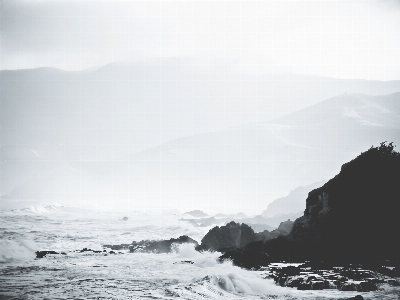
pixel 91 275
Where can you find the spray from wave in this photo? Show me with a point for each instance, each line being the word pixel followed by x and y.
pixel 224 279
pixel 13 250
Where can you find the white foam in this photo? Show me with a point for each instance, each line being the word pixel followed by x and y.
pixel 12 250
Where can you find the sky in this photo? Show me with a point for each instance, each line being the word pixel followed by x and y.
pixel 341 39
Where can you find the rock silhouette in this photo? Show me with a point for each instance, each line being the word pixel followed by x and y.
pixel 236 235
pixel 353 218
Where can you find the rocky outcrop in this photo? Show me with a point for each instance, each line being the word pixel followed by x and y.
pixel 231 236
pixel 236 235
pixel 41 254
pixel 310 277
pixel 163 246
pixel 353 218
pixel 283 230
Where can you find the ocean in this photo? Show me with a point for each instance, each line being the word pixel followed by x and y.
pixel 88 275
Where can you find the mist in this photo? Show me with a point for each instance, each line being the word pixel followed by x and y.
pixel 222 106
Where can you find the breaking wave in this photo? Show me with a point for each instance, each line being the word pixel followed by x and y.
pixel 12 250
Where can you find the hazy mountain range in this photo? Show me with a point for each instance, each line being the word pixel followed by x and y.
pixel 160 132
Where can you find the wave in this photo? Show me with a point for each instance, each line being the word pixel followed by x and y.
pixel 12 250
pixel 224 279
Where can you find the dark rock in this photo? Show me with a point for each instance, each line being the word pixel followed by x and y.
pixel 319 285
pixel 366 286
pixel 163 246
pixel 356 274
pixel 295 282
pixel 287 271
pixel 41 254
pixel 117 247
pixel 283 230
pixel 358 297
pixel 125 218
pixel 231 236
pixel 348 287
pixel 304 286
pixel 353 218
pixel 248 257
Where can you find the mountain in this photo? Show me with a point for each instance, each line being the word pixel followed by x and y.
pixel 115 135
pixel 290 204
pixel 353 218
pixel 246 167
pixel 196 213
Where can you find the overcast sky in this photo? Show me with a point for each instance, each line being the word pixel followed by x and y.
pixel 342 39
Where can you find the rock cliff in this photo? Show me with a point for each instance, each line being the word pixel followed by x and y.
pixel 353 218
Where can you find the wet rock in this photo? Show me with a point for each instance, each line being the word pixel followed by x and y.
pixel 231 236
pixel 294 282
pixel 163 246
pixel 304 286
pixel 319 285
pixel 366 286
pixel 117 247
pixel 251 257
pixel 356 274
pixel 358 297
pixel 348 287
pixel 41 254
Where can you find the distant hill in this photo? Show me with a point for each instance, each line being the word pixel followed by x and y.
pixel 292 203
pixel 249 165
pixel 98 137
pixel 196 214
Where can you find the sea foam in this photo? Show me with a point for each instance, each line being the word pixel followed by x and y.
pixel 12 250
